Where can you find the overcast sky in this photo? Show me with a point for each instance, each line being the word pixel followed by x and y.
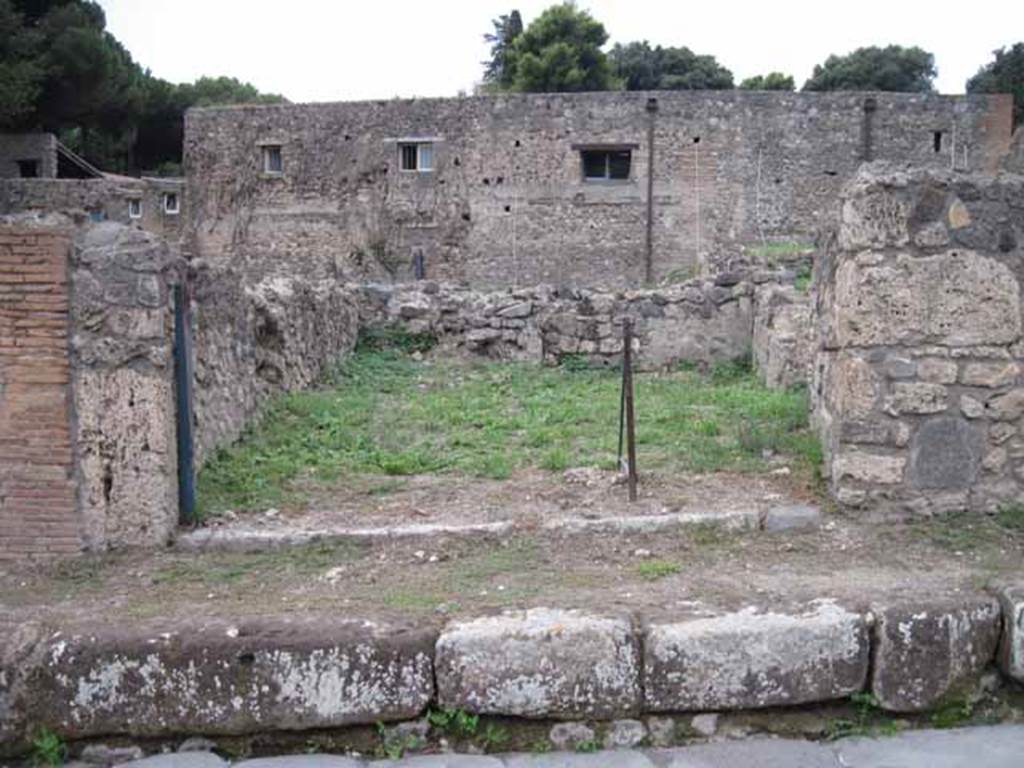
pixel 324 50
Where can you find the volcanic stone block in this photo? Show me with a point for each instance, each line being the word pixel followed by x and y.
pixel 540 663
pixel 216 678
pixel 928 649
pixel 749 659
pixel 1011 647
pixel 945 453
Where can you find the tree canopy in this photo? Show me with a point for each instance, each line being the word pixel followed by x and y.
pixel 1005 74
pixel 773 81
pixel 643 68
pixel 560 51
pixel 893 68
pixel 497 70
pixel 61 71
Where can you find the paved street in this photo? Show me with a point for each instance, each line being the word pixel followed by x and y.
pixel 989 747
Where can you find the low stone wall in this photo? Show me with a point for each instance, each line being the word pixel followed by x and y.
pixel 701 322
pixel 254 342
pixel 221 677
pixel 783 339
pixel 919 395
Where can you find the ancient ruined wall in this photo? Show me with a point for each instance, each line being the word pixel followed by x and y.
pixel 38 147
pixel 701 322
pixel 252 342
pixel 87 401
pixel 784 342
pixel 38 513
pixel 1015 159
pixel 97 200
pixel 123 383
pixel 506 203
pixel 918 375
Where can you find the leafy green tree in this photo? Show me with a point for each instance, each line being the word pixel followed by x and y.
pixel 561 51
pixel 893 68
pixel 21 73
pixel 773 81
pixel 1003 75
pixel 507 28
pixel 642 68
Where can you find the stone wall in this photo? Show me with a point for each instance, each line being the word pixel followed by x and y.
pixel 40 147
pixel 700 321
pixel 96 200
pixel 1015 159
pixel 38 513
pixel 736 175
pixel 784 343
pixel 252 342
pixel 87 402
pixel 123 380
pixel 919 393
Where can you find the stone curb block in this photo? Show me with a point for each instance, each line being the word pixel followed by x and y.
pixel 1011 646
pixel 540 663
pixel 748 660
pixel 926 650
pixel 218 678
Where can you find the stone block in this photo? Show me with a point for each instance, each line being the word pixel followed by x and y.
pixel 917 398
pixel 1011 645
pixel 749 659
pixel 540 663
pixel 989 374
pixel 936 370
pixel 1008 407
pixel 868 468
pixel 971 408
pixel 955 298
pixel 795 517
pixel 927 650
pixel 218 678
pixel 945 453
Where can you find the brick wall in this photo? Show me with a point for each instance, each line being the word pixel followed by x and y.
pixel 38 514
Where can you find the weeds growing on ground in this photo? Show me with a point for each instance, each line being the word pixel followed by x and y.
pixel 383 413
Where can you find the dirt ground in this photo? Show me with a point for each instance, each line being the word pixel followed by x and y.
pixel 687 570
pixel 528 499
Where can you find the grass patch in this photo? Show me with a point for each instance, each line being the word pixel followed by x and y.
pixel 780 250
pixel 382 413
pixel 652 570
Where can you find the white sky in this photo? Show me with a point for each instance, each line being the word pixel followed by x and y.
pixel 325 50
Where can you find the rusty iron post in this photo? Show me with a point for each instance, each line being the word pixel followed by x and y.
pixel 628 405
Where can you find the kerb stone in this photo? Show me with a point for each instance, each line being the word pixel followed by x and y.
pixel 540 663
pixel 1011 646
pixel 926 650
pixel 219 678
pixel 748 660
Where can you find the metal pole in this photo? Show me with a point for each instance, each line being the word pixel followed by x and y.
pixel 183 382
pixel 627 388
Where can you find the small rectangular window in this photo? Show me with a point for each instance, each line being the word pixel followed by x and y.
pixel 28 169
pixel 606 164
pixel 171 204
pixel 937 141
pixel 273 161
pixel 416 157
pixel 134 208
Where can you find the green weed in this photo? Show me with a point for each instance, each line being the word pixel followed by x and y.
pixel 652 570
pixel 48 749
pixel 588 746
pixel 456 723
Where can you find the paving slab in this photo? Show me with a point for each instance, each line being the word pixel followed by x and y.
pixel 1000 746
pixel 753 659
pixel 437 761
pixel 302 761
pixel 540 663
pixel 626 758
pixel 748 753
pixel 179 760
pixel 927 649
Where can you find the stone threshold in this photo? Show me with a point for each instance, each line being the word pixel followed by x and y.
pixel 243 539
pixel 277 674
